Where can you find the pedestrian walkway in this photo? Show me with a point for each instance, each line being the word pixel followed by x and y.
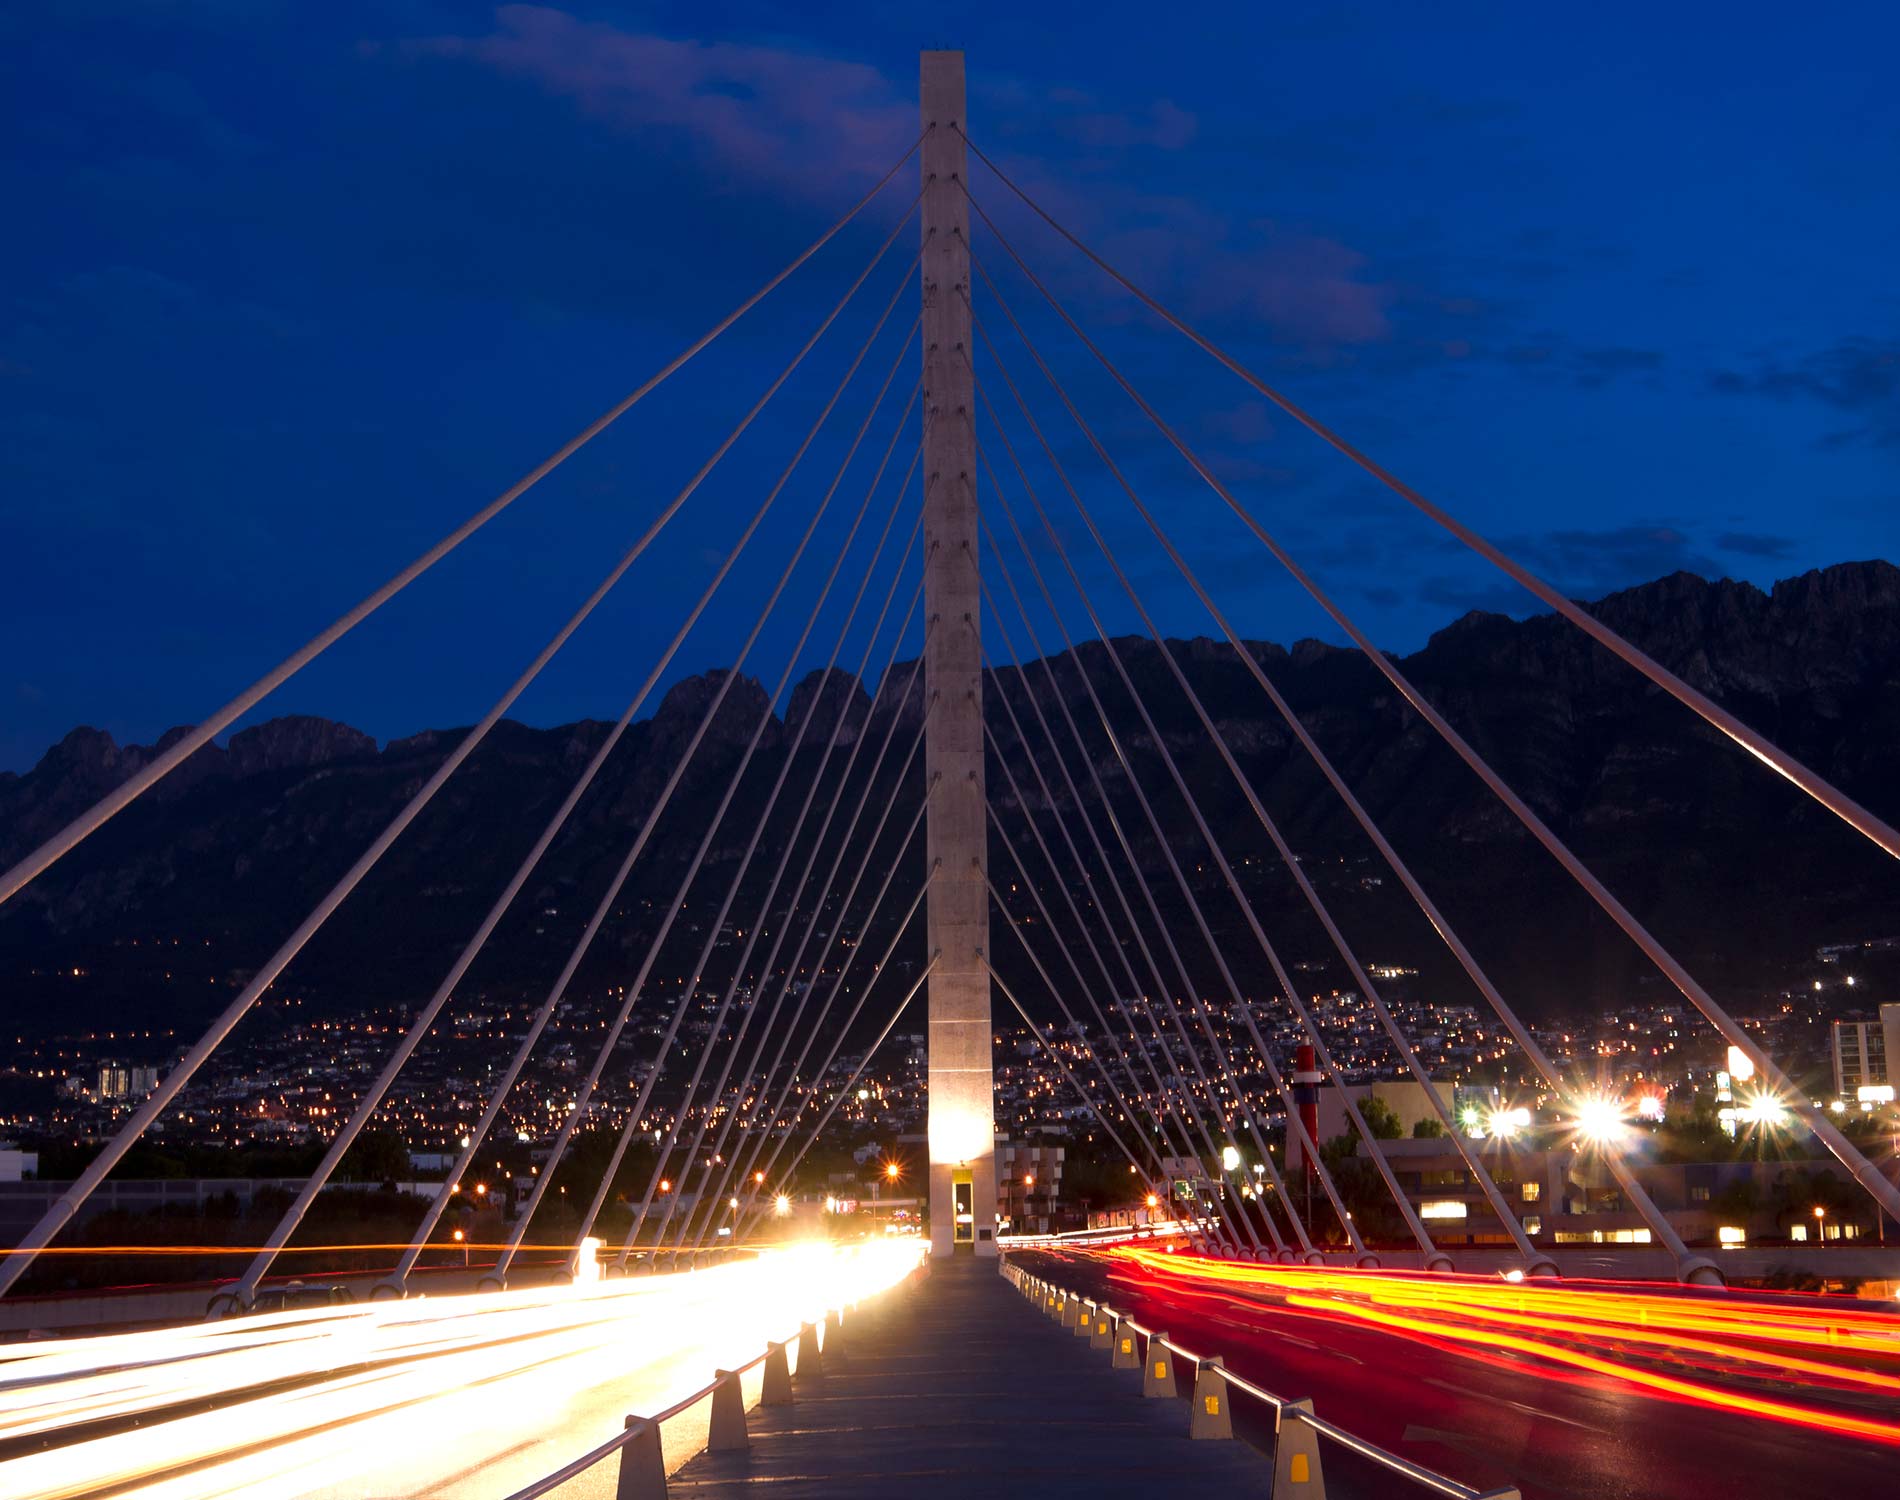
pixel 955 1385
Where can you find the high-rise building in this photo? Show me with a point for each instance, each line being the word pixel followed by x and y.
pixel 1864 1053
pixel 117 1081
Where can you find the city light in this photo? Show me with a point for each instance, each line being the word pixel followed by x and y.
pixel 1229 1158
pixel 1650 1107
pixel 892 1171
pixel 1764 1109
pixel 1505 1123
pixel 1600 1120
pixel 1153 1201
pixel 781 1205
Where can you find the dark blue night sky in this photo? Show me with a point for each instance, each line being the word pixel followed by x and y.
pixel 287 290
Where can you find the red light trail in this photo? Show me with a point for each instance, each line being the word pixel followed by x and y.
pixel 1589 1327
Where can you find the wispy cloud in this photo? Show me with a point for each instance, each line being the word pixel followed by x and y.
pixel 1858 376
pixel 769 112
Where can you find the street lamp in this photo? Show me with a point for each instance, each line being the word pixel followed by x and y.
pixel 1599 1120
pixel 1820 1225
pixel 462 1240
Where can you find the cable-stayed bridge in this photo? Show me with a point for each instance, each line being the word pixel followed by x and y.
pixel 1014 767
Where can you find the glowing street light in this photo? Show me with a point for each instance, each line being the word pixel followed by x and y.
pixel 1229 1158
pixel 1820 1224
pixel 1153 1201
pixel 1765 1109
pixel 758 1179
pixel 1600 1120
pixel 781 1205
pixel 892 1171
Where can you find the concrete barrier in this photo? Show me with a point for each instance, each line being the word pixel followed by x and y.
pixel 1157 1370
pixel 1211 1416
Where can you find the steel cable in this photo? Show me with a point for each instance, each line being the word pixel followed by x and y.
pixel 133 787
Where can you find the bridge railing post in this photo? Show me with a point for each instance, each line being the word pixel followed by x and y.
pixel 1127 1355
pixel 1157 1370
pixel 811 1360
pixel 642 1463
pixel 1296 1468
pixel 1211 1417
pixel 726 1432
pixel 777 1389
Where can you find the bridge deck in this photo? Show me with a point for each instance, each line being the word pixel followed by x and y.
pixel 961 1381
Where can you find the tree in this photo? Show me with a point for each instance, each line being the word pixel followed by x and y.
pixel 1381 1119
pixel 1427 1129
pixel 375 1156
pixel 1797 1194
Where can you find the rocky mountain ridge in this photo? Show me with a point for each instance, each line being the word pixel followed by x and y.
pixel 1723 859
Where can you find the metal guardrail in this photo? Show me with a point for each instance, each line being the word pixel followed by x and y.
pixel 1107 1234
pixel 1297 1428
pixel 642 1459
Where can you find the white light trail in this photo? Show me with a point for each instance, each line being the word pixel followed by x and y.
pixel 400 1397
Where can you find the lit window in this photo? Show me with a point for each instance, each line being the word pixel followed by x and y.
pixel 1798 1232
pixel 1729 1234
pixel 1532 1191
pixel 1442 1208
pixel 1533 1224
